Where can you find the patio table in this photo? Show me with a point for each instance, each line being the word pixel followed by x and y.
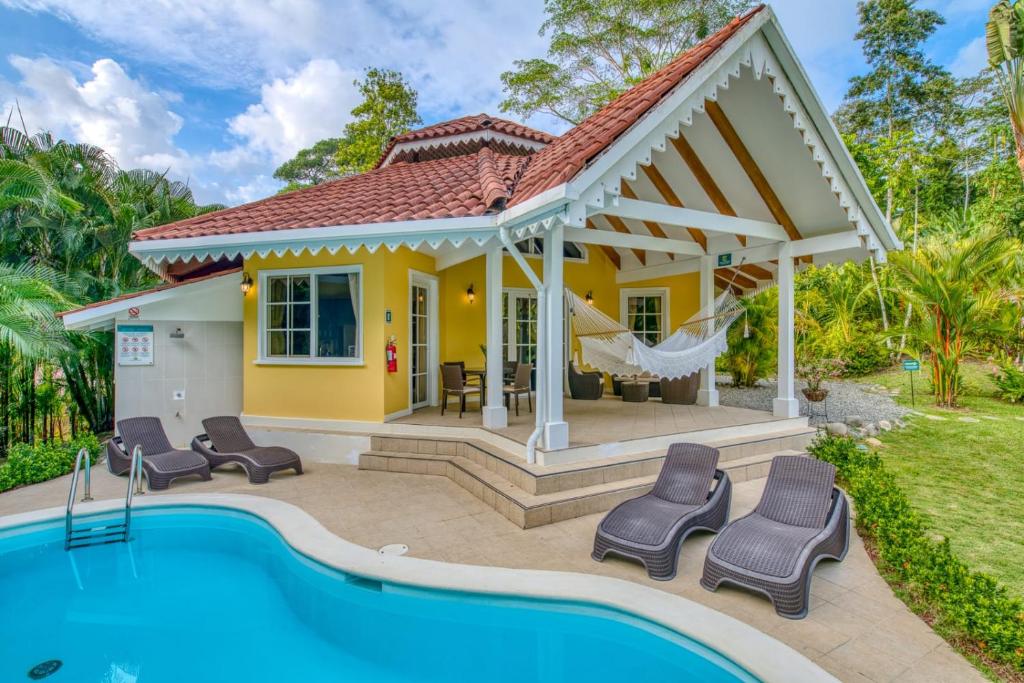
pixel 635 392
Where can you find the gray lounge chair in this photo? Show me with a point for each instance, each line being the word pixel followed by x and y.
pixel 161 462
pixel 651 528
pixel 801 519
pixel 226 441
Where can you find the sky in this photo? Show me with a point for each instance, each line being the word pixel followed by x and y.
pixel 220 92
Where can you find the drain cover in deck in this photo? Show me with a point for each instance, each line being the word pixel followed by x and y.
pixel 394 549
pixel 44 669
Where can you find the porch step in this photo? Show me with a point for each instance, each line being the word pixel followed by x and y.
pixel 543 480
pixel 526 509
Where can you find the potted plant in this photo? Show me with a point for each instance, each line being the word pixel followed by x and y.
pixel 817 371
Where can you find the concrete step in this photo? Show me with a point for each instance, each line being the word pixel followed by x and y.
pixel 527 509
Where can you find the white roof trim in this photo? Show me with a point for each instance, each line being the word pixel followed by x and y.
pixel 488 135
pixel 98 317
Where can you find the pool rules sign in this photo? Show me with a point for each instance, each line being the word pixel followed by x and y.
pixel 134 344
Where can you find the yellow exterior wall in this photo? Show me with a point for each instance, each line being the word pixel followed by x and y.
pixel 369 392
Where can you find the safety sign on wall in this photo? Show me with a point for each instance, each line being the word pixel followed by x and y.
pixel 134 344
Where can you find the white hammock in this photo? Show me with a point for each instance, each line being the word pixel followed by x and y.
pixel 609 346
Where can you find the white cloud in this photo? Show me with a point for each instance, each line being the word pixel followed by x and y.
pixel 105 107
pixel 971 58
pixel 295 112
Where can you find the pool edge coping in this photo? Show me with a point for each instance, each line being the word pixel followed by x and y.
pixel 760 654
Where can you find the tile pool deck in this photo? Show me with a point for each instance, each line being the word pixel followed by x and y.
pixel 856 629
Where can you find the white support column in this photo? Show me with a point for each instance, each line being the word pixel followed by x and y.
pixel 556 430
pixel 708 394
pixel 494 413
pixel 786 404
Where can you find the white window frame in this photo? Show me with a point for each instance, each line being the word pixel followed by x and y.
pixel 264 275
pixel 662 292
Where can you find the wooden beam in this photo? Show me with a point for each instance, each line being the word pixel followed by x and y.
pixel 651 226
pixel 740 279
pixel 723 283
pixel 750 167
pixel 619 226
pixel 704 179
pixel 612 255
pixel 756 271
pixel 672 199
pixel 633 241
pixel 637 209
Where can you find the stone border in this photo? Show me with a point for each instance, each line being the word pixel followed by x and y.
pixel 763 656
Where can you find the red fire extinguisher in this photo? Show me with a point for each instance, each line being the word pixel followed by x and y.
pixel 391 353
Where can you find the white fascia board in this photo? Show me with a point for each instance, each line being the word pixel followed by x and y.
pixel 99 317
pixel 654 118
pixel 624 241
pixel 541 204
pixel 488 135
pixel 640 210
pixel 826 128
pixel 821 244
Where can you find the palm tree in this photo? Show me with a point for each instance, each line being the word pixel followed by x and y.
pixel 29 295
pixel 1004 36
pixel 960 290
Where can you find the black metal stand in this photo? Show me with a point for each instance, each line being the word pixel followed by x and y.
pixel 812 413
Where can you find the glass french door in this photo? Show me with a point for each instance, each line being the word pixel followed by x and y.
pixel 419 346
pixel 520 316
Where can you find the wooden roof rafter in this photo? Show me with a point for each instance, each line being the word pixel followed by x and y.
pixel 707 183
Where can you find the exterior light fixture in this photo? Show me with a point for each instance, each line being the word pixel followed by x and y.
pixel 590 298
pixel 470 294
pixel 246 283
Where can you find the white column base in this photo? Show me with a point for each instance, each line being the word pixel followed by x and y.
pixel 708 397
pixel 785 407
pixel 495 417
pixel 556 435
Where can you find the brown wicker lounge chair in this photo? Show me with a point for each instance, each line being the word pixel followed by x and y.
pixel 453 384
pixel 161 462
pixel 652 528
pixel 802 518
pixel 585 385
pixel 226 441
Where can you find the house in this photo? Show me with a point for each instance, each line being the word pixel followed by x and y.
pixel 721 170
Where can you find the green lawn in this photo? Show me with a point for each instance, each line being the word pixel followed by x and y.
pixel 967 477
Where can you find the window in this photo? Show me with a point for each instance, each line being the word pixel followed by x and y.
pixel 645 314
pixel 313 315
pixel 534 246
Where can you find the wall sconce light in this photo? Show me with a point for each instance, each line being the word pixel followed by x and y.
pixel 178 334
pixel 246 283
pixel 589 298
pixel 470 294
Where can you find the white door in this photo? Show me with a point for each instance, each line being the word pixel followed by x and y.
pixel 422 341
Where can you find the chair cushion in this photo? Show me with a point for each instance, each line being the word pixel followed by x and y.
pixel 645 520
pixel 762 545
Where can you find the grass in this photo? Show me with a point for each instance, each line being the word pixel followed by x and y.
pixel 968 478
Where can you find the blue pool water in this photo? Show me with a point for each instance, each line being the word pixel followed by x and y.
pixel 203 594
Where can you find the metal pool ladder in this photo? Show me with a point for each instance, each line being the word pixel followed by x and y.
pixel 80 537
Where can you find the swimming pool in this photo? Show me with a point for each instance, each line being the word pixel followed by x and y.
pixel 208 594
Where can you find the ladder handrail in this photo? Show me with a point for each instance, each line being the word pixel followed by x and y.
pixel 82 454
pixel 134 479
pixel 106 531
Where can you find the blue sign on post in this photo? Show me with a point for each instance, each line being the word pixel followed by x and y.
pixel 912 365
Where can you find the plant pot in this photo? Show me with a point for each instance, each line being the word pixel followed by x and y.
pixel 815 395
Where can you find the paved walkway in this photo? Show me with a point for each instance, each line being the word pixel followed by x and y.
pixel 856 628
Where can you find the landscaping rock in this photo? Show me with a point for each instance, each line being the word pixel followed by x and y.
pixel 844 399
pixel 855 420
pixel 837 429
pixel 870 429
pixel 968 419
pixel 873 442
pixel 885 425
pixel 901 424
pixel 937 418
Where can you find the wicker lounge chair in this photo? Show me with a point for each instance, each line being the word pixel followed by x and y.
pixel 226 441
pixel 585 385
pixel 801 519
pixel 652 528
pixel 161 462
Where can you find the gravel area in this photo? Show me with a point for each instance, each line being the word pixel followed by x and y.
pixel 844 399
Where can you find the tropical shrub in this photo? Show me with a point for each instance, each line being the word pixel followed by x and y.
pixel 27 464
pixel 863 354
pixel 968 606
pixel 1010 383
pixel 753 344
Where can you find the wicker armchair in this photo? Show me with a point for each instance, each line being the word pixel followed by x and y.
pixel 680 391
pixel 801 519
pixel 453 384
pixel 585 385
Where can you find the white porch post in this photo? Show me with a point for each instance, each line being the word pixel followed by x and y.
pixel 494 413
pixel 556 430
pixel 786 404
pixel 708 394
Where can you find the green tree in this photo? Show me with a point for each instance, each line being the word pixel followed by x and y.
pixel 388 109
pixel 311 166
pixel 599 48
pixel 753 340
pixel 1004 36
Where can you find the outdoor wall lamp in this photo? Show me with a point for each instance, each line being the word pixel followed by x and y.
pixel 589 298
pixel 470 294
pixel 246 283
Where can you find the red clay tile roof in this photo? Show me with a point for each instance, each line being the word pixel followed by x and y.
pixel 454 187
pixel 159 288
pixel 484 180
pixel 468 124
pixel 560 161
